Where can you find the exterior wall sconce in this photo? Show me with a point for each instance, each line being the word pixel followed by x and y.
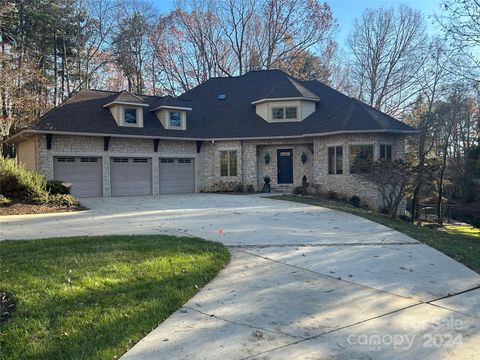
pixel 304 157
pixel 267 158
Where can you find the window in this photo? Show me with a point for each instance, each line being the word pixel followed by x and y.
pixel 228 163
pixel 65 159
pixel 386 152
pixel 130 115
pixel 335 160
pixel 359 155
pixel 283 113
pixel 142 160
pixel 84 160
pixel 175 119
pixel 277 113
pixel 291 112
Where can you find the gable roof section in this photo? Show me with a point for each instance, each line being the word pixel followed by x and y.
pixel 286 87
pixel 126 98
pixel 170 102
pixel 233 117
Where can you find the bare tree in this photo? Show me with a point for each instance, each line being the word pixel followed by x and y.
pixel 385 46
pixel 390 178
pixel 460 21
pixel 288 28
pixel 237 21
pixel 432 78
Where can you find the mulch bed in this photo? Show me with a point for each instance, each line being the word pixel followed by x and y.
pixel 7 307
pixel 24 209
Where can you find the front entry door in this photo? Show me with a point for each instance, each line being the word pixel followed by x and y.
pixel 285 166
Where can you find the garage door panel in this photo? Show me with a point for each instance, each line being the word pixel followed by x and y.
pixel 177 176
pixel 85 174
pixel 131 176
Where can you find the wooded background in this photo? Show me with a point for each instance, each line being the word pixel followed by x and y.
pixel 50 49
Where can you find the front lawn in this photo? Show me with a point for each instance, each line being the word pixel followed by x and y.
pixel 459 246
pixel 95 297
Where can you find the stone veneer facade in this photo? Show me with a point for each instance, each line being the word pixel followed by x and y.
pixel 251 159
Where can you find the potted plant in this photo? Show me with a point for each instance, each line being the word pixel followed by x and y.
pixel 266 184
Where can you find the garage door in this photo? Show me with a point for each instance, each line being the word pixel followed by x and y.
pixel 177 176
pixel 131 176
pixel 84 173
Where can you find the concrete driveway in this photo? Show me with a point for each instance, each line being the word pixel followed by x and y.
pixel 304 282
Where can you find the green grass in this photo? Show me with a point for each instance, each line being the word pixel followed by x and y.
pixel 467 230
pixel 463 247
pixel 95 297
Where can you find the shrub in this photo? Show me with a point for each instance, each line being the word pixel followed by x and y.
pixel 300 190
pixel 238 188
pixel 4 200
pixel 57 187
pixel 225 186
pixel 250 188
pixel 56 200
pixel 304 182
pixel 22 184
pixel 63 200
pixel 355 201
pixel 332 195
pixel 18 182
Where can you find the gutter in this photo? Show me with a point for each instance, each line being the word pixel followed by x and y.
pixel 302 136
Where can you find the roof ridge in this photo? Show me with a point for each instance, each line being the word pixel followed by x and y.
pixel 297 85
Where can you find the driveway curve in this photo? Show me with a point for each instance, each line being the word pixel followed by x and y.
pixel 304 282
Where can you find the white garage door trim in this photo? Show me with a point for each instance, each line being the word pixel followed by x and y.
pixel 84 173
pixel 131 176
pixel 176 175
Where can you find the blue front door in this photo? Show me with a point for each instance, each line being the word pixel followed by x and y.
pixel 285 166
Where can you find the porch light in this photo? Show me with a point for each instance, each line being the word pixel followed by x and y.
pixel 267 158
pixel 304 157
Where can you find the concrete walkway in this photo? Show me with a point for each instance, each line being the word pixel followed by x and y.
pixel 304 282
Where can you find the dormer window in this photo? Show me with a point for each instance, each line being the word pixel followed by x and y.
pixel 284 113
pixel 130 116
pixel 127 109
pixel 175 119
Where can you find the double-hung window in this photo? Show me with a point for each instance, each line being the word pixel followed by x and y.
pixel 386 152
pixel 335 160
pixel 228 163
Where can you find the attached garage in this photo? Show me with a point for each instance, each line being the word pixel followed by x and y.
pixel 84 173
pixel 131 176
pixel 177 176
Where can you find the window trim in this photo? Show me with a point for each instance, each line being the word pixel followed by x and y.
pixel 136 123
pixel 170 119
pixel 335 169
pixel 284 112
pixel 387 153
pixel 229 164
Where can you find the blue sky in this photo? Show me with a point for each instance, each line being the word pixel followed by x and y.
pixel 346 10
